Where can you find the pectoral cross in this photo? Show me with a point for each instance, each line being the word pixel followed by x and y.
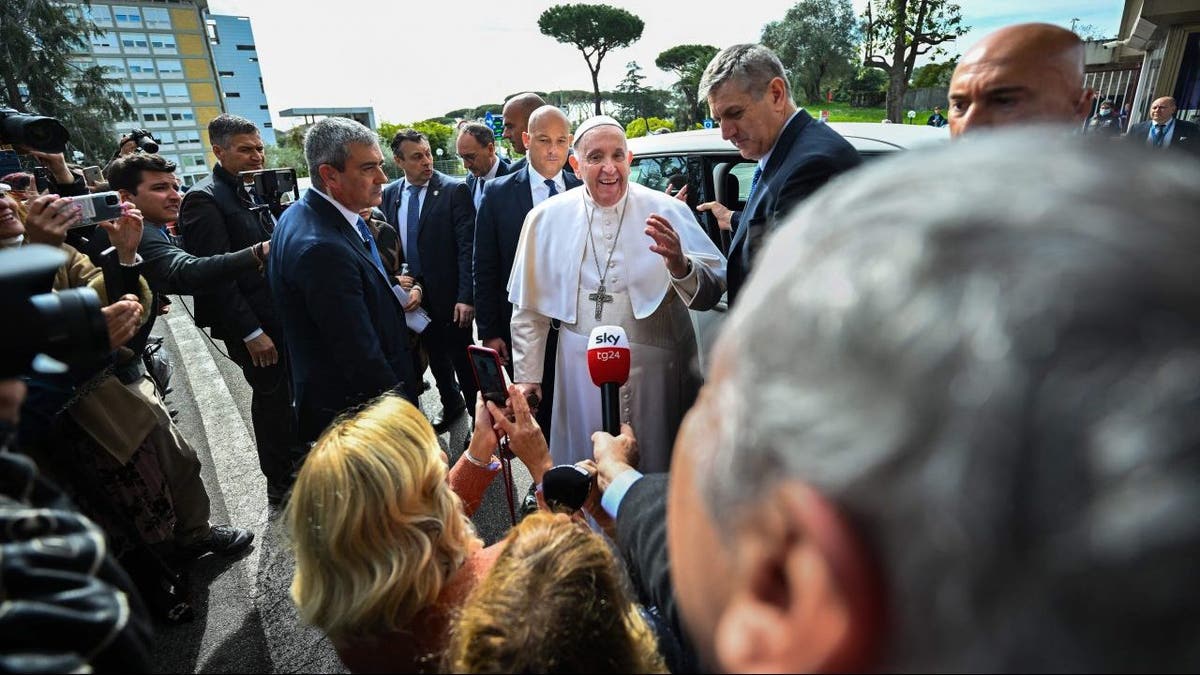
pixel 600 297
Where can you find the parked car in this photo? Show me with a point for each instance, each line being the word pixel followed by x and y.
pixel 714 171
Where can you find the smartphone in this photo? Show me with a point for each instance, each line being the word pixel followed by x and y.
pixel 489 374
pixel 92 175
pixel 98 207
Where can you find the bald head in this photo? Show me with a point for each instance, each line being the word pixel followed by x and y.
pixel 1162 110
pixel 1030 73
pixel 547 140
pixel 516 118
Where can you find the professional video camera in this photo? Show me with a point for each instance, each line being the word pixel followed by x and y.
pixel 66 326
pixel 44 134
pixel 271 185
pixel 145 141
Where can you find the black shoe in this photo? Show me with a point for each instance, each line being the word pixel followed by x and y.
pixel 223 539
pixel 448 418
pixel 529 504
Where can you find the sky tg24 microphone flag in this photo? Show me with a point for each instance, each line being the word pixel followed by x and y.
pixel 608 355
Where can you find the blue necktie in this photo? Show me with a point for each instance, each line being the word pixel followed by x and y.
pixel 412 254
pixel 1160 132
pixel 553 190
pixel 754 183
pixel 370 242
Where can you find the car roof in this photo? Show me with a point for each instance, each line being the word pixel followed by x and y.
pixel 866 137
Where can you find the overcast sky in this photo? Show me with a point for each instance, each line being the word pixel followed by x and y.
pixel 416 60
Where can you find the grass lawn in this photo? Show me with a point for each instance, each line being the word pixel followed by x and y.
pixel 840 112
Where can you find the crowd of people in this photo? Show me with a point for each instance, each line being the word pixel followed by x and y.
pixel 947 425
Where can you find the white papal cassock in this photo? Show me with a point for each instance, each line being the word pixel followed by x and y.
pixel 553 275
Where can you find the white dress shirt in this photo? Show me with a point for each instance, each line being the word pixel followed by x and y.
pixel 537 184
pixel 402 212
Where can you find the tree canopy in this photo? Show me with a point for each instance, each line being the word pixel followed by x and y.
pixel 688 63
pixel 817 40
pixel 37 38
pixel 896 32
pixel 594 30
pixel 440 135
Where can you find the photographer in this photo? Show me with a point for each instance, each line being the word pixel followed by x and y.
pixel 221 214
pixel 44 139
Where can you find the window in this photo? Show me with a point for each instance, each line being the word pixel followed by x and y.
pixel 175 93
pixel 166 140
pixel 245 48
pixel 182 115
pixel 225 73
pixel 260 86
pixel 126 90
pixel 170 158
pixel 263 107
pixel 157 18
pixel 105 43
pixel 170 69
pixel 135 43
pixel 163 43
pixel 214 35
pixel 253 59
pixel 128 17
pixel 654 172
pixel 188 139
pixel 141 68
pixel 191 162
pixel 99 15
pixel 154 117
pixel 267 125
pixel 113 68
pixel 232 94
pixel 148 93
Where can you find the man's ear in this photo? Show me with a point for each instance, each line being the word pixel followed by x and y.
pixel 126 195
pixel 806 597
pixel 219 153
pixel 778 91
pixel 329 177
pixel 574 162
pixel 526 139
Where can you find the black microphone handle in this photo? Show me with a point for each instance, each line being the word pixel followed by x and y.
pixel 610 407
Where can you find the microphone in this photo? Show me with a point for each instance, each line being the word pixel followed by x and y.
pixel 565 488
pixel 608 364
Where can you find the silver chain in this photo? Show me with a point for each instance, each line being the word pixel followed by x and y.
pixel 603 274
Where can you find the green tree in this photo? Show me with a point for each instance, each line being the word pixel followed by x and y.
pixel 637 127
pixel 440 135
pixel 934 74
pixel 37 38
pixel 896 32
pixel 594 30
pixel 636 100
pixel 688 63
pixel 817 41
pixel 281 156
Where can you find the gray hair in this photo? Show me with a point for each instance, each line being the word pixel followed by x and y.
pixel 750 66
pixel 997 380
pixel 224 127
pixel 482 133
pixel 328 142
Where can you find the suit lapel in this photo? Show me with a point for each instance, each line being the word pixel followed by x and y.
pixel 334 218
pixel 433 191
pixel 524 196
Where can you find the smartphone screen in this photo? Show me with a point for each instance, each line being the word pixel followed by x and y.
pixel 488 374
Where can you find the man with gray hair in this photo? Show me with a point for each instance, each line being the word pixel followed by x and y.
pixel 948 429
pixel 748 93
pixel 342 313
pixel 223 214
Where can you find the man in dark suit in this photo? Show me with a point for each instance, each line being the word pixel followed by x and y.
pixel 748 93
pixel 476 148
pixel 434 216
pixel 1163 131
pixel 221 214
pixel 502 212
pixel 516 122
pixel 341 312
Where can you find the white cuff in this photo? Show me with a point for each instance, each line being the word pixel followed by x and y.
pixel 255 334
pixel 137 260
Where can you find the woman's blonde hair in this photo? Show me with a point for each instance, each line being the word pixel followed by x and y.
pixel 376 530
pixel 557 600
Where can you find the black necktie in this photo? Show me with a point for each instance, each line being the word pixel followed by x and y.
pixel 1160 133
pixel 550 185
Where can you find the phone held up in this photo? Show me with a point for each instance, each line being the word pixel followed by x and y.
pixel 97 207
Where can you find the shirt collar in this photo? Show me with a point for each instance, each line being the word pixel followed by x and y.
pixel 762 163
pixel 535 177
pixel 495 167
pixel 351 217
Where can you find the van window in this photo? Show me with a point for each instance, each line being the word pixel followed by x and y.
pixel 656 172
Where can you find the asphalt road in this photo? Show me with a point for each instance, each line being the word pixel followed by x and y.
pixel 245 619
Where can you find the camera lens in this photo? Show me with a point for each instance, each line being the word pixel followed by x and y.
pixel 72 325
pixel 40 133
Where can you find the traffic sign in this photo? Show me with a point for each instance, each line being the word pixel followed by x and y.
pixel 497 124
pixel 708 123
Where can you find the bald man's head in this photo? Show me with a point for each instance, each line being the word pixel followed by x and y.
pixel 516 118
pixel 1030 73
pixel 547 140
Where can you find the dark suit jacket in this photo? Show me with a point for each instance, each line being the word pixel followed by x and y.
pixel 806 155
pixel 506 202
pixel 642 540
pixel 1184 136
pixel 518 165
pixel 170 269
pixel 215 218
pixel 445 236
pixel 501 170
pixel 345 329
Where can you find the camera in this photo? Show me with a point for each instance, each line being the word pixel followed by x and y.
pixel 145 141
pixel 271 185
pixel 66 326
pixel 44 134
pixel 97 207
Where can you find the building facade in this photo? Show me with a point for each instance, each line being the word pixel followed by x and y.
pixel 157 54
pixel 1160 40
pixel 231 40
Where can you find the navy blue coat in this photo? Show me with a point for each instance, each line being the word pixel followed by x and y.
pixel 805 157
pixel 501 170
pixel 506 202
pixel 345 329
pixel 445 236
